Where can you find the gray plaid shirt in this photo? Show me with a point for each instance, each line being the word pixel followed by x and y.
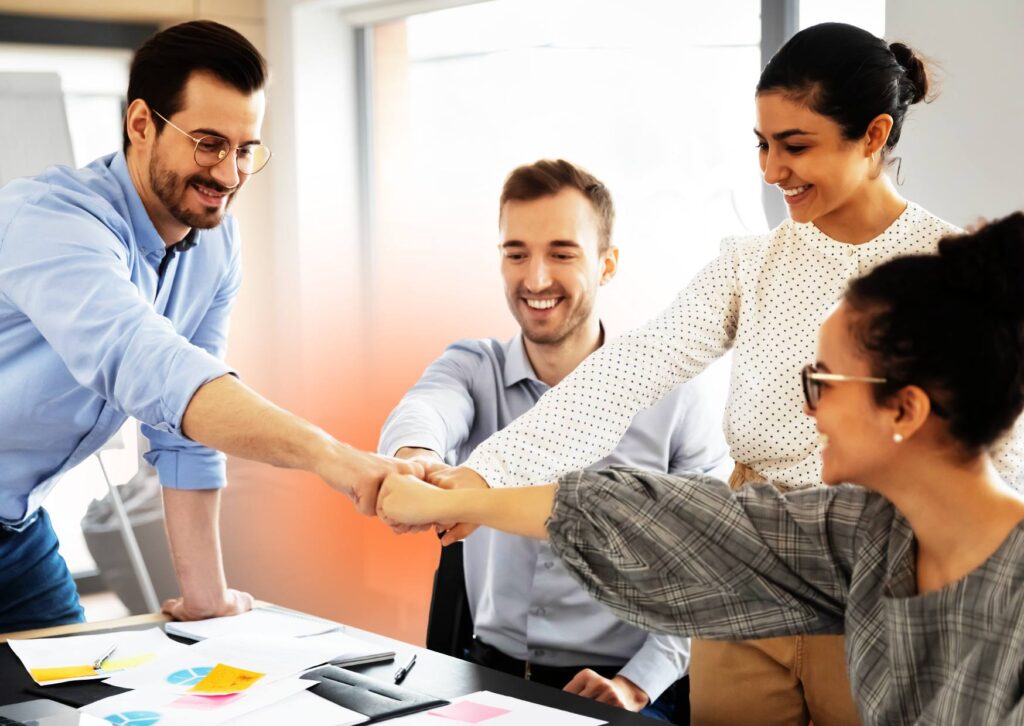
pixel 686 555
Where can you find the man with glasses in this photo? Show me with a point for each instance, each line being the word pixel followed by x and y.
pixel 116 284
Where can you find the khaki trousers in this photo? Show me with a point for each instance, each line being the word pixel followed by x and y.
pixel 773 681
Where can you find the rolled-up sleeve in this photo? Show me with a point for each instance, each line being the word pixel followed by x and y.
pixel 685 555
pixel 77 291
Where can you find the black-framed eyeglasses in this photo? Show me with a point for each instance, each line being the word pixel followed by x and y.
pixel 212 150
pixel 813 380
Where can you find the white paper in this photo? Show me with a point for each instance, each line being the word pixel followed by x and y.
pixel 83 650
pixel 166 707
pixel 519 713
pixel 273 656
pixel 259 621
pixel 350 650
pixel 303 708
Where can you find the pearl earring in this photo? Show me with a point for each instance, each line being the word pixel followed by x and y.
pixel 897 438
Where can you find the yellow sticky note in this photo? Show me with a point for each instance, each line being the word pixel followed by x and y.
pixel 226 679
pixel 41 675
pixel 121 664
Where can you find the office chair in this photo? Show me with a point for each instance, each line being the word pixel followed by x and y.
pixel 449 623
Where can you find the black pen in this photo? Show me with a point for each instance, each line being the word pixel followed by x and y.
pixel 402 672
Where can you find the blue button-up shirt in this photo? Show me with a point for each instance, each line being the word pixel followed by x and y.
pixel 523 600
pixel 91 332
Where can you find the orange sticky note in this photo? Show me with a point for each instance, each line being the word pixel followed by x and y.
pixel 40 675
pixel 226 679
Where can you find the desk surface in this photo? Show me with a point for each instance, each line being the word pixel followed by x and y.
pixel 437 674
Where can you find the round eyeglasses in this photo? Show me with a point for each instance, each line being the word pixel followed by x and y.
pixel 211 150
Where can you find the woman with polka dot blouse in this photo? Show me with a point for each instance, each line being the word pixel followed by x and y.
pixel 830 107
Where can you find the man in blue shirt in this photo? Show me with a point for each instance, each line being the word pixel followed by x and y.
pixel 529 616
pixel 116 283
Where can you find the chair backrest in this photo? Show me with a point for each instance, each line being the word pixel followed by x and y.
pixel 450 623
pixel 33 125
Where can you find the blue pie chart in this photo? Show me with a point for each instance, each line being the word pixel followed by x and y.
pixel 134 718
pixel 188 676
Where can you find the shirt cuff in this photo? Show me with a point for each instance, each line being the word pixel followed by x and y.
pixel 391 442
pixel 190 469
pixel 658 664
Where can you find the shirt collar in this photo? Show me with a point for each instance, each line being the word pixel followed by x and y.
pixel 146 236
pixel 517 362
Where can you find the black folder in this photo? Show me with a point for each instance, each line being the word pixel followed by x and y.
pixel 375 700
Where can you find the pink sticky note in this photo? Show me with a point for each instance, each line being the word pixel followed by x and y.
pixel 206 703
pixel 468 712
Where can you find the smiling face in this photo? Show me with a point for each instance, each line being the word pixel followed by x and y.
pixel 551 264
pixel 192 195
pixel 859 431
pixel 806 155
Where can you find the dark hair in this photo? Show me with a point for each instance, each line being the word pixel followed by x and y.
pixel 847 74
pixel 953 324
pixel 162 66
pixel 547 177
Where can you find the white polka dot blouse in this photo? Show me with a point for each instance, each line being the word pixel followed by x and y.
pixel 765 297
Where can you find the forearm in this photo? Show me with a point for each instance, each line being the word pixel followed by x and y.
pixel 522 511
pixel 193 531
pixel 227 415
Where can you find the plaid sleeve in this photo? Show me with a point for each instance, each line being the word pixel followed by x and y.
pixel 686 555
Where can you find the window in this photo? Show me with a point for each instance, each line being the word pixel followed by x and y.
pixel 94 81
pixel 656 100
pixel 867 14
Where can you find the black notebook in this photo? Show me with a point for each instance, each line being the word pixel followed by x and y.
pixel 375 700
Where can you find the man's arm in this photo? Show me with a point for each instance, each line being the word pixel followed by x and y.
pixel 227 415
pixel 192 520
pixel 661 661
pixel 437 413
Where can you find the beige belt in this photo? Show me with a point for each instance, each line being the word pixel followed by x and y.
pixel 743 474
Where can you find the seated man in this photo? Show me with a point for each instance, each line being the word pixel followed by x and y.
pixel 530 617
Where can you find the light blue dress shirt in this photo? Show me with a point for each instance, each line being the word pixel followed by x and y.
pixel 523 600
pixel 91 333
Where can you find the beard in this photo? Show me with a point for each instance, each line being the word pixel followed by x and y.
pixel 170 189
pixel 577 312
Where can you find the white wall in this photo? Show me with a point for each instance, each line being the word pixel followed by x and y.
pixel 963 156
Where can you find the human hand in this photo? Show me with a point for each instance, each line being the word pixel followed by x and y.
pixel 406 500
pixel 359 474
pixel 618 691
pixel 431 462
pixel 232 602
pixel 456 478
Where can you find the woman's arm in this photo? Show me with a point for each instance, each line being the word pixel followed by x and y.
pixel 522 511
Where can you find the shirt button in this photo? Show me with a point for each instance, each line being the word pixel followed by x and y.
pixel 851 250
pixel 548 565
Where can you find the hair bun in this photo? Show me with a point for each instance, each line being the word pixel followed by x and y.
pixel 988 266
pixel 915 84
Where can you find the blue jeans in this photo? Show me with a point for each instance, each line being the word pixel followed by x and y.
pixel 36 589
